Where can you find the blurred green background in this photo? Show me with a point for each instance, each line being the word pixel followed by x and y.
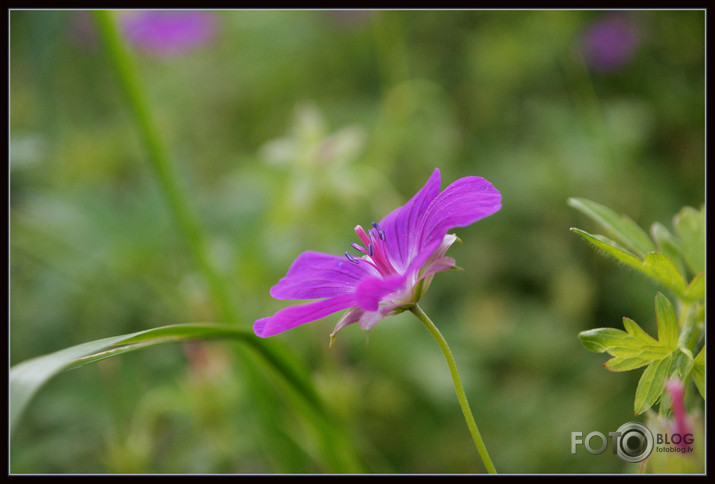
pixel 288 128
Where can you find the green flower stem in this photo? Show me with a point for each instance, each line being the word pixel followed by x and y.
pixel 461 396
pixel 337 449
pixel 159 158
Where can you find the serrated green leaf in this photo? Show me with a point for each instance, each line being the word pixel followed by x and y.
pixel 28 377
pixel 696 289
pixel 663 270
pixel 690 226
pixel 683 363
pixel 651 384
pixel 698 372
pixel 626 364
pixel 656 266
pixel 623 345
pixel 668 329
pixel 604 243
pixel 622 227
pixel 600 340
pixel 634 348
pixel 667 244
pixel 637 332
pixel 651 353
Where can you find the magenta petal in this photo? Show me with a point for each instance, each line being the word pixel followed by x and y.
pixel 314 275
pixel 293 316
pixel 460 204
pixel 402 223
pixel 370 292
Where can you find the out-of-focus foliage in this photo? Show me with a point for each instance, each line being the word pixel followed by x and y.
pixel 288 129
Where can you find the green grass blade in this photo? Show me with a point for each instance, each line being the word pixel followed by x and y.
pixel 160 160
pixel 28 377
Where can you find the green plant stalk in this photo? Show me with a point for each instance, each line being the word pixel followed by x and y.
pixel 161 162
pixel 159 158
pixel 461 396
pixel 131 84
pixel 688 338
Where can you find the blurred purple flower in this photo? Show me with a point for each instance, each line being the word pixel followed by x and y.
pixel 168 32
pixel 610 42
pixel 160 32
pixel 401 254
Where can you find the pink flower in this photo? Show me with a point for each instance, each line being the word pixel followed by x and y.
pixel 400 255
pixel 610 43
pixel 681 423
pixel 166 33
pixel 163 33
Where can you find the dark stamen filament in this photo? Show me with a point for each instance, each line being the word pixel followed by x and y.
pixel 375 250
pixel 380 232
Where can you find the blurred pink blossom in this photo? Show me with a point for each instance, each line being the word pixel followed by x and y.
pixel 610 42
pixel 681 423
pixel 163 33
pixel 169 32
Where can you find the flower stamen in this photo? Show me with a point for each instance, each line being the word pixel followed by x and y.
pixel 380 232
pixel 363 235
pixel 374 249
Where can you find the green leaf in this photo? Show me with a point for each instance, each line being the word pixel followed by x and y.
pixel 626 364
pixel 634 348
pixel 698 372
pixel 635 342
pixel 690 226
pixel 607 245
pixel 696 289
pixel 663 270
pixel 630 350
pixel 28 377
pixel 623 228
pixel 652 384
pixel 682 363
pixel 601 340
pixel 668 329
pixel 667 244
pixel 637 332
pixel 656 266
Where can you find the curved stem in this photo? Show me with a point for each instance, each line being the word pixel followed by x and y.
pixel 461 396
